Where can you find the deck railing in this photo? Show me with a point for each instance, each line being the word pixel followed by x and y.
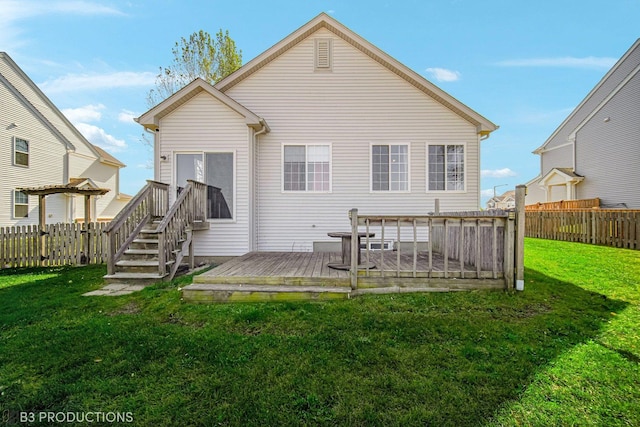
pixel 448 248
pixel 175 229
pixel 150 202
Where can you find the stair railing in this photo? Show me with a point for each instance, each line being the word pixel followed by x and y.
pixel 174 232
pixel 151 201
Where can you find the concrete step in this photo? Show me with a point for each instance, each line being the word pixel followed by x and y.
pixel 134 278
pixel 217 293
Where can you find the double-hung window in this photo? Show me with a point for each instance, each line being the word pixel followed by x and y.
pixel 307 168
pixel 20 204
pixel 445 167
pixel 20 152
pixel 390 167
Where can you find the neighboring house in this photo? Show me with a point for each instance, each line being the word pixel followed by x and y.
pixel 320 123
pixel 505 201
pixel 40 147
pixel 595 153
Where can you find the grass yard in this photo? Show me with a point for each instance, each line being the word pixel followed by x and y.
pixel 566 351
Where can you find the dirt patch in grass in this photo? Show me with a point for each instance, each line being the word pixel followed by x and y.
pixel 129 308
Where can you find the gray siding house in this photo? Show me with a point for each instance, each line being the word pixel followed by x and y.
pixel 320 123
pixel 595 152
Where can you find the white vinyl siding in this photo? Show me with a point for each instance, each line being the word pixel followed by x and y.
pixel 446 167
pixel 306 168
pixel 358 104
pixel 205 125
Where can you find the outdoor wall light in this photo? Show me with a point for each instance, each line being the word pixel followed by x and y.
pixel 163 158
pixel 607 119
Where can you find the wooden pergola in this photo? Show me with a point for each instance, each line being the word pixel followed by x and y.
pixel 81 186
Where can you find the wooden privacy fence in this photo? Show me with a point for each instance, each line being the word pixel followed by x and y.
pixel 61 244
pixel 564 204
pixel 610 227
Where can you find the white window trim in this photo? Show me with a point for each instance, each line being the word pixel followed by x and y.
pixel 174 171
pixel 306 144
pixel 466 168
pixel 371 190
pixel 13 206
pixel 28 153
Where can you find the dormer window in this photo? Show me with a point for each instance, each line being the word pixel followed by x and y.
pixel 323 55
pixel 20 152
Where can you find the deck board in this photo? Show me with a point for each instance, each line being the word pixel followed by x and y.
pixel 311 268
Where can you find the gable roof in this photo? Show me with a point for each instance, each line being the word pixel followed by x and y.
pixel 50 113
pixel 151 119
pixel 483 125
pixel 630 58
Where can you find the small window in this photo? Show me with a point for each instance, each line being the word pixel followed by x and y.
pixel 446 167
pixel 390 167
pixel 323 54
pixel 306 168
pixel 20 152
pixel 20 204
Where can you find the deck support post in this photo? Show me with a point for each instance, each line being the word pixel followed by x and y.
pixel 353 215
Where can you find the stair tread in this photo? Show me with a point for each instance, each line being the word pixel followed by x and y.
pixel 141 251
pixel 123 275
pixel 145 241
pixel 264 288
pixel 140 263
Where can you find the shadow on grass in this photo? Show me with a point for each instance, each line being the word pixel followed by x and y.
pixel 420 359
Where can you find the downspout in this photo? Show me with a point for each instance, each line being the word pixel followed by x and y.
pixel 256 210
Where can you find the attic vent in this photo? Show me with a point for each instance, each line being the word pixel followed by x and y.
pixel 323 54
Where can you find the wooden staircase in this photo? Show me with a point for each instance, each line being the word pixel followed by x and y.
pixel 148 240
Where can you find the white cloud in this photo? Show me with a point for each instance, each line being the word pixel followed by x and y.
pixel 79 82
pixel 88 113
pixel 99 137
pixel 14 11
pixel 487 193
pixel 561 62
pixel 127 116
pixel 443 75
pixel 497 173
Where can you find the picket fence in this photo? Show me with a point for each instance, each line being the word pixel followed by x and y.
pixel 59 244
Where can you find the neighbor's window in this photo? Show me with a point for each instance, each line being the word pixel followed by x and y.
pixel 20 152
pixel 20 204
pixel 390 167
pixel 306 168
pixel 446 167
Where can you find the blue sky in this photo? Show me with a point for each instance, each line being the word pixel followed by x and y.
pixel 522 64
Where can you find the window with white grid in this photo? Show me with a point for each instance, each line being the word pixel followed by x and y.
pixel 390 167
pixel 445 167
pixel 307 168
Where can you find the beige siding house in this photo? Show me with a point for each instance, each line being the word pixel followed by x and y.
pixel 320 123
pixel 40 147
pixel 595 152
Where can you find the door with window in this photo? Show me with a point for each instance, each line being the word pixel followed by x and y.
pixel 217 171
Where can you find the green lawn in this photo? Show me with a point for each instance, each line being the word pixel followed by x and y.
pixel 563 352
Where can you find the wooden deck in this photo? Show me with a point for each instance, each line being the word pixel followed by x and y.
pixel 311 269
